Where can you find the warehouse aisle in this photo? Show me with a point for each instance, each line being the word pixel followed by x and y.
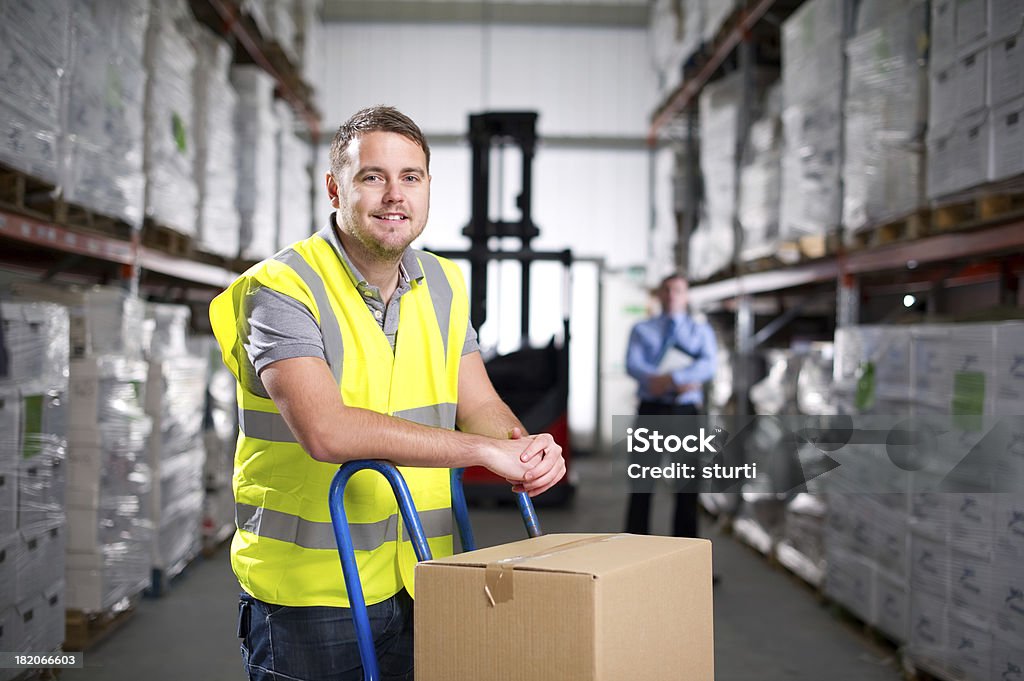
pixel 767 626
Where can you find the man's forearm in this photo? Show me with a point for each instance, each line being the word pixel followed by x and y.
pixel 492 419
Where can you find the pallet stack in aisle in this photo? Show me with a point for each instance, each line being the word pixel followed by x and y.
pixel 109 478
pixel 34 44
pixel 169 160
pixel 175 401
pixel 976 94
pixel 220 435
pixel 256 130
pixel 934 567
pixel 295 218
pixel 713 242
pixel 217 221
pixel 105 124
pixel 33 464
pixel 812 76
pixel 761 180
pixel 886 114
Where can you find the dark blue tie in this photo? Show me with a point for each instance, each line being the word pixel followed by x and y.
pixel 669 340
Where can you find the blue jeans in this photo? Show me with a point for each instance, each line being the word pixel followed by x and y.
pixel 319 643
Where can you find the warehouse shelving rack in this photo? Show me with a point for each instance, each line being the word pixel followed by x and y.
pixel 38 238
pixel 962 253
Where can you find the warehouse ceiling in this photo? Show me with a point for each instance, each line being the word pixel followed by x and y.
pixel 617 13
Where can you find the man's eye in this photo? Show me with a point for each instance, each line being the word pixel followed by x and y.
pixel 412 178
pixel 371 178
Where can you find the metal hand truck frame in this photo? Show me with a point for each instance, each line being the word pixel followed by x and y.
pixel 406 507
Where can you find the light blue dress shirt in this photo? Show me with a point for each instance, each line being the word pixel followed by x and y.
pixel 651 339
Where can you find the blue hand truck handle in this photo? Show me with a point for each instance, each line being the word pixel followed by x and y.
pixel 406 507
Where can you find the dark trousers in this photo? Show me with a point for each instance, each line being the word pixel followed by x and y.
pixel 638 516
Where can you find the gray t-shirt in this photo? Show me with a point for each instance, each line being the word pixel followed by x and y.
pixel 280 327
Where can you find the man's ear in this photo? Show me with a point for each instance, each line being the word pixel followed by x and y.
pixel 332 189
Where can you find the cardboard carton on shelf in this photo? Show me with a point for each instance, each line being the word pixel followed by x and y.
pixel 562 607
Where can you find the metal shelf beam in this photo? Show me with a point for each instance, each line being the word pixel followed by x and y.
pixel 59 238
pixel 994 240
pixel 678 101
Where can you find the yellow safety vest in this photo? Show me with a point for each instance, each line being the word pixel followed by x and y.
pixel 284 551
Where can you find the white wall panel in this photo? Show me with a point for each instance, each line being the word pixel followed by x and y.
pixel 583 81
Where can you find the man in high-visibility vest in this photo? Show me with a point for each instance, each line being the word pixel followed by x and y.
pixel 351 345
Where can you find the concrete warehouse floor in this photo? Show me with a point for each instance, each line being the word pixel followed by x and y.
pixel 767 625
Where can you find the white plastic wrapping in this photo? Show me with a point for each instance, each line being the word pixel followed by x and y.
pixel 33 464
pixel 166 331
pixel 761 181
pixel 34 43
pixel 216 170
pixel 309 27
pixel 294 181
pixel 106 94
pixel 170 140
pixel 103 319
pixel 811 94
pixel 34 339
pixel 110 484
pixel 176 401
pixel 256 130
pixel 712 243
pixel 886 110
pixel 675 30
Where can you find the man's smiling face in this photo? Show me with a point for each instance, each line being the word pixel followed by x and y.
pixel 383 197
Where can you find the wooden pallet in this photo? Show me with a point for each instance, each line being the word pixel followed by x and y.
pixel 23 193
pixel 167 240
pixel 83 631
pixel 904 228
pixel 978 210
pixel 28 195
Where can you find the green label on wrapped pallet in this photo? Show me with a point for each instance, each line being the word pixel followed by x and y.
pixel 968 405
pixel 179 132
pixel 865 398
pixel 31 441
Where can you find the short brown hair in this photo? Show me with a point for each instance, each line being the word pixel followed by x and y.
pixel 374 119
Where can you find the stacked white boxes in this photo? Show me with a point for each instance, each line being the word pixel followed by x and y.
pixel 256 134
pixel 170 142
pixel 33 463
pixel 220 435
pixel 109 484
pixel 294 185
pixel 812 48
pixel 110 530
pixel 713 243
pixel 976 94
pixel 106 92
pixel 675 30
pixel 761 180
pixel 34 43
pixel 308 38
pixel 885 109
pixel 175 400
pixel 217 222
pixel 946 563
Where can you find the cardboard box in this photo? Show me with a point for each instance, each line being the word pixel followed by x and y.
pixel 1008 138
pixel 943 33
pixel 600 607
pixel 1006 69
pixel 1005 17
pixel 971 21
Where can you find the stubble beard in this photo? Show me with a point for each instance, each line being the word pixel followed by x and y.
pixel 378 252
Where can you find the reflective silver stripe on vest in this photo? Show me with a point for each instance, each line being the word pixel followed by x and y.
pixel 437 415
pixel 308 534
pixel 264 425
pixel 329 326
pixel 440 294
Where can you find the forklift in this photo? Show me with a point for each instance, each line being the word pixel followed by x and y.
pixel 533 381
